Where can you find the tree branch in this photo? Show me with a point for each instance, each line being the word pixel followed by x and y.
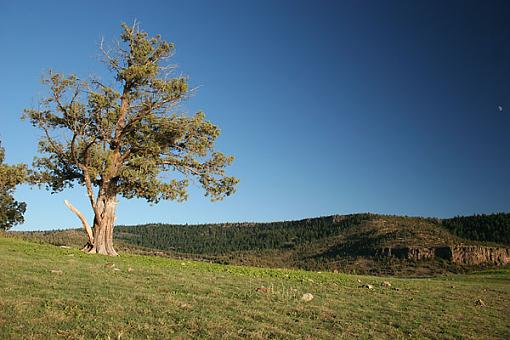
pixel 83 220
pixel 111 60
pixel 121 122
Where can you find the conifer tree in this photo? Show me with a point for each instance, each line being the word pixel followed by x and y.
pixel 128 139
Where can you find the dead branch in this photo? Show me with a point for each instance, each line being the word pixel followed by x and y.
pixel 88 230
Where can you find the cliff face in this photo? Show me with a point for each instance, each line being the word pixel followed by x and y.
pixel 459 254
pixel 480 255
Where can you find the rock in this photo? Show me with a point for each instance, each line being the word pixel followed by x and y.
pixel 386 284
pixel 475 255
pixel 368 286
pixel 307 297
pixel 359 281
pixel 116 269
pixel 458 254
pixel 480 303
pixel 57 271
pixel 262 290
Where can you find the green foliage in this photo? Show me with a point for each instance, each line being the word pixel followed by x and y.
pixel 490 228
pixel 129 138
pixel 11 211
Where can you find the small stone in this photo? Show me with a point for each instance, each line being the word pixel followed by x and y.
pixel 57 271
pixel 335 271
pixel 116 269
pixel 368 286
pixel 359 281
pixel 386 284
pixel 307 297
pixel 480 303
pixel 130 269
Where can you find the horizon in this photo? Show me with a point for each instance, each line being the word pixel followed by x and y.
pixel 331 108
pixel 80 228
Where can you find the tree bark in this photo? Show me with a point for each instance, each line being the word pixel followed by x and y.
pixel 103 227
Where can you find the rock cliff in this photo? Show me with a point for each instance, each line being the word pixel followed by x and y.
pixel 458 254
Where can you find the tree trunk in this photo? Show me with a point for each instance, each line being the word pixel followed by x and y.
pixel 103 228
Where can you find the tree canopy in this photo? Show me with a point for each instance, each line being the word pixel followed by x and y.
pixel 11 211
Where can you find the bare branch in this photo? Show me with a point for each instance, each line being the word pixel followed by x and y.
pixel 83 220
pixel 111 60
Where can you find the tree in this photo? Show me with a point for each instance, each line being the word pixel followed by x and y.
pixel 128 138
pixel 11 211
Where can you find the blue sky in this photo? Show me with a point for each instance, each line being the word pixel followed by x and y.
pixel 330 107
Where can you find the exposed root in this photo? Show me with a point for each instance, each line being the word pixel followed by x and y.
pixel 87 248
pixel 91 249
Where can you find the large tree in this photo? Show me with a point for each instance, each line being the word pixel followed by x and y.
pixel 11 211
pixel 128 137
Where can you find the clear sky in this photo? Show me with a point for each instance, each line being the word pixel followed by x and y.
pixel 330 107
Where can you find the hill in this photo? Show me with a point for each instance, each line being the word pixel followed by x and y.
pixel 48 292
pixel 491 228
pixel 361 243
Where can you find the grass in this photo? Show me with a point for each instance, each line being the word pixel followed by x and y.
pixel 164 298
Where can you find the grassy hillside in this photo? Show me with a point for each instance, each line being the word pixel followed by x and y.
pixel 153 297
pixel 344 243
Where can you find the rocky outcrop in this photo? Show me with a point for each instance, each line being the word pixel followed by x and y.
pixel 458 254
pixel 480 255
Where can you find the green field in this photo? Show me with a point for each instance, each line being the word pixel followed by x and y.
pixel 131 296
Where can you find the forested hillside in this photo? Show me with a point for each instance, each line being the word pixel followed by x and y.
pixel 372 231
pixel 490 228
pixel 215 239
